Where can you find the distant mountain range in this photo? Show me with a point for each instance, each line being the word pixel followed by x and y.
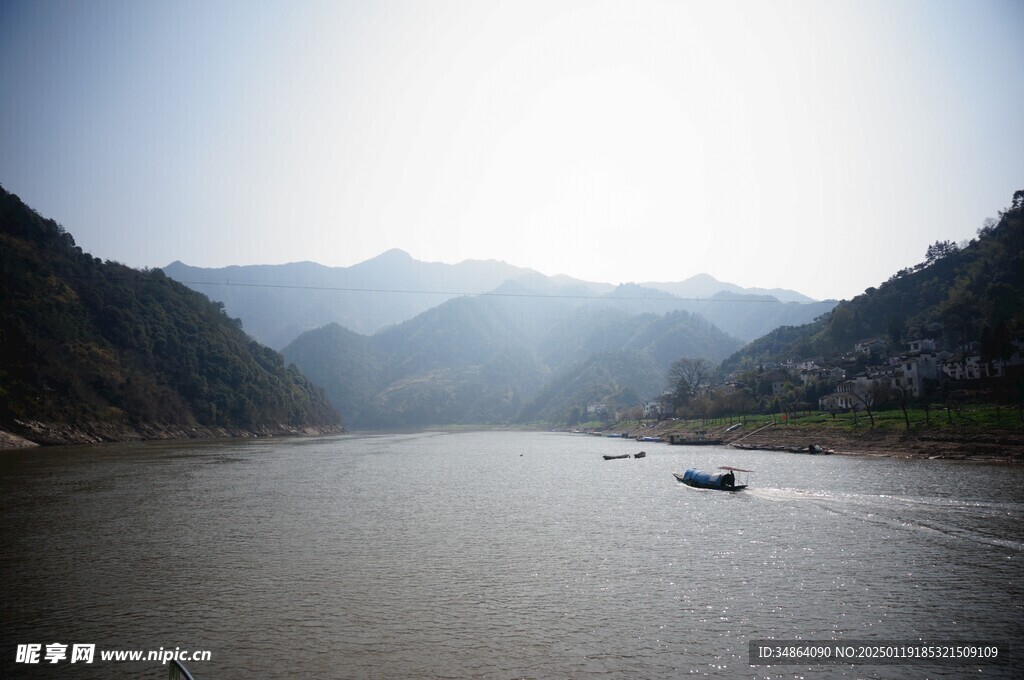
pixel 705 286
pixel 277 303
pixel 503 358
pixel 112 352
pixel 396 342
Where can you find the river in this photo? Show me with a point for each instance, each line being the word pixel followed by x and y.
pixel 498 555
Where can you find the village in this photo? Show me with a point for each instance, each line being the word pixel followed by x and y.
pixel 913 374
pixel 864 378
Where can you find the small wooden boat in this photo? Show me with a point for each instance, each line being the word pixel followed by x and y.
pixel 698 439
pixel 723 481
pixel 607 457
pixel 642 454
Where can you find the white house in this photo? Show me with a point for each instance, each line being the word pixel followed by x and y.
pixel 652 409
pixel 970 366
pixel 849 394
pixel 913 371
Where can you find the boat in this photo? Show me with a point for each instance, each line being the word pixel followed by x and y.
pixel 642 454
pixel 694 439
pixel 650 439
pixel 699 439
pixel 607 457
pixel 723 481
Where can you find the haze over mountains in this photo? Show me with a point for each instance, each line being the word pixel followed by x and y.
pixel 279 302
pixel 501 359
pixel 110 351
pixel 397 343
pixel 115 352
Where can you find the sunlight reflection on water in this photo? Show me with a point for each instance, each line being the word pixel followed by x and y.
pixel 498 554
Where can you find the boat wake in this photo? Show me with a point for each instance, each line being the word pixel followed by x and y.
pixel 982 522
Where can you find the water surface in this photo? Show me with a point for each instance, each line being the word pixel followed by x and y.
pixel 498 554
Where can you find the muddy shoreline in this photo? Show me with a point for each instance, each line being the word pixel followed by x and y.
pixel 988 446
pixel 27 434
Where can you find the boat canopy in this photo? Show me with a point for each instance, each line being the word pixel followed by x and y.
pixel 708 480
pixel 726 481
pixel 733 469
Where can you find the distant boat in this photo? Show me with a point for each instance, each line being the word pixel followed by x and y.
pixel 607 457
pixel 723 481
pixel 642 454
pixel 650 439
pixel 697 439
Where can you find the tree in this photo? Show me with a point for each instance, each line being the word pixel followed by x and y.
pixel 988 227
pixel 686 377
pixel 635 413
pixel 903 395
pixel 939 250
pixel 871 395
pixel 575 416
pixel 894 329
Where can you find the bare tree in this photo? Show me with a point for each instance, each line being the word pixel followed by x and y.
pixel 686 378
pixel 635 413
pixel 873 395
pixel 904 396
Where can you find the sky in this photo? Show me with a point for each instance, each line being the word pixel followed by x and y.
pixel 811 145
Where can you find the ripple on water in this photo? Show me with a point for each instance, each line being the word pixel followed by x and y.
pixel 455 556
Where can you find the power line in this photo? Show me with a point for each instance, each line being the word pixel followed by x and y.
pixel 567 296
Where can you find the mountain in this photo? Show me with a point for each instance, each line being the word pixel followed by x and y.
pixel 749 316
pixel 279 302
pixel 103 351
pixel 705 285
pixel 517 354
pixel 957 295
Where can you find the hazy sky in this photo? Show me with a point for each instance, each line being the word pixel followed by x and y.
pixel 818 145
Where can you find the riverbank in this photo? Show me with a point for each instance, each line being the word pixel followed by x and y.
pixel 939 443
pixel 36 433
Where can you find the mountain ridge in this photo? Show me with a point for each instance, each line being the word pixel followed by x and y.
pixel 960 296
pixel 96 351
pixel 500 359
pixel 705 285
pixel 278 302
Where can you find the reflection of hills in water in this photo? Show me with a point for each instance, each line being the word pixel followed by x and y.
pixel 977 521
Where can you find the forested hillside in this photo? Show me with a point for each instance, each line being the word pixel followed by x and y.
pixel 112 352
pixel 500 359
pixel 958 294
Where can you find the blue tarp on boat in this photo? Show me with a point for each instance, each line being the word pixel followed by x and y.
pixel 709 480
pixel 712 480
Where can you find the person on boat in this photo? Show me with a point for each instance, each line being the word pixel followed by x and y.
pixel 728 480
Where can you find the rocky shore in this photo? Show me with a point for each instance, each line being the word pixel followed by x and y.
pixel 962 444
pixel 35 433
